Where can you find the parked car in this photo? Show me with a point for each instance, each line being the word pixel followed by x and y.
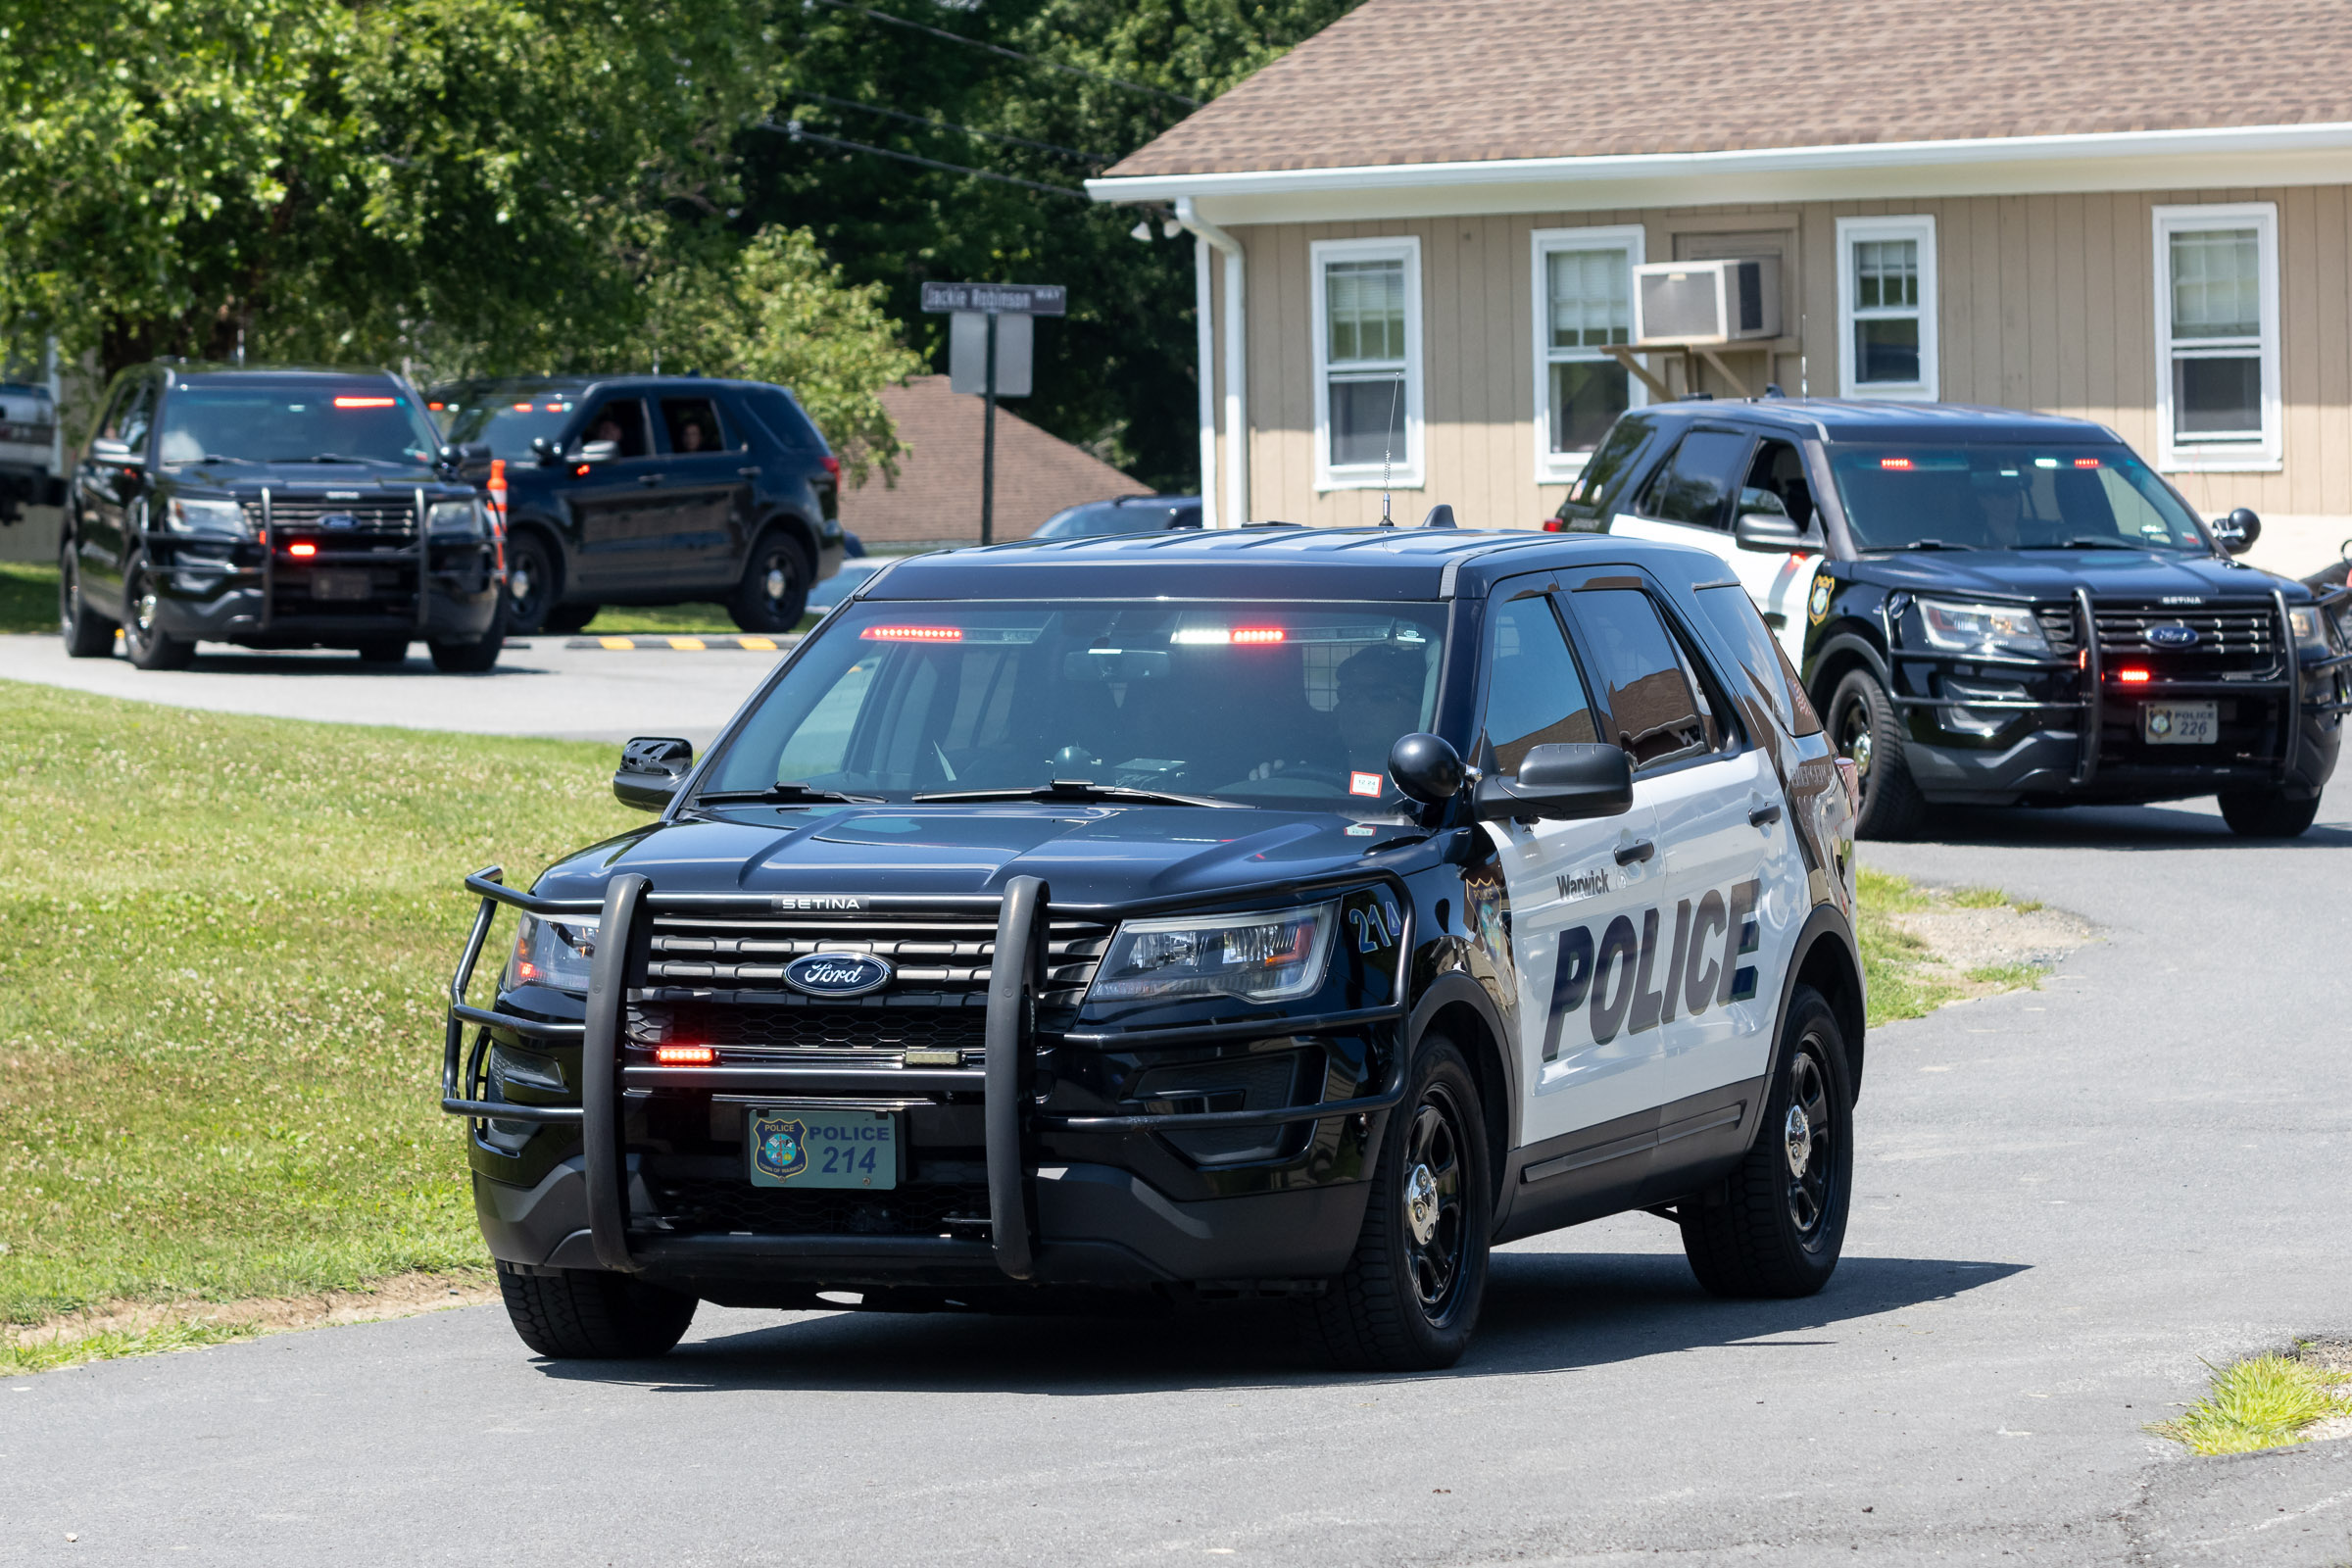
pixel 1992 607
pixel 1120 917
pixel 653 490
pixel 273 509
pixel 28 450
pixel 1098 519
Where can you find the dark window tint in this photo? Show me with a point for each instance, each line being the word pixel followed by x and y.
pixel 137 416
pixel 692 425
pixel 1736 616
pixel 620 420
pixel 1692 485
pixel 775 408
pixel 1642 676
pixel 1101 518
pixel 1606 469
pixel 1535 694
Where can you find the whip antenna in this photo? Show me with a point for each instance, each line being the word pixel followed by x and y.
pixel 1387 438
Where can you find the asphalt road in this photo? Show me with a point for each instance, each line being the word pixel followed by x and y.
pixel 539 687
pixel 2065 1198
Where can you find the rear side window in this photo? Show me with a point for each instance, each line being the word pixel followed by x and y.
pixel 775 409
pixel 692 425
pixel 1535 693
pixel 1607 468
pixel 1692 486
pixel 1643 677
pixel 1732 612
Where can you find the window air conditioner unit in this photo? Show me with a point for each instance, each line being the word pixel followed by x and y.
pixel 1703 302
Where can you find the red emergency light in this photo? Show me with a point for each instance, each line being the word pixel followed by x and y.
pixel 1259 635
pixel 685 1056
pixel 1895 463
pixel 912 634
pixel 2087 462
pixel 301 550
pixel 365 402
pixel 2132 677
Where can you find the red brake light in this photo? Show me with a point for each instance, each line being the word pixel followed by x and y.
pixel 301 550
pixel 1895 463
pixel 366 403
pixel 685 1056
pixel 2132 677
pixel 832 466
pixel 912 634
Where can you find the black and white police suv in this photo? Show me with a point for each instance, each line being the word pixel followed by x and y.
pixel 1199 916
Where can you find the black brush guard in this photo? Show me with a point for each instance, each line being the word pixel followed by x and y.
pixel 1005 1080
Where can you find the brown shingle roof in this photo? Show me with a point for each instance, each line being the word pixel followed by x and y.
pixel 1408 82
pixel 937 498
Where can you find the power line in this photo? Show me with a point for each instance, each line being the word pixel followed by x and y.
pixel 1009 54
pixel 968 131
pixel 797 132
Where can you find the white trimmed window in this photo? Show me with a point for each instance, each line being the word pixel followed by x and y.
pixel 2217 337
pixel 1584 300
pixel 1886 308
pixel 1367 313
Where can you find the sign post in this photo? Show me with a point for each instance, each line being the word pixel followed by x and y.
pixel 991 352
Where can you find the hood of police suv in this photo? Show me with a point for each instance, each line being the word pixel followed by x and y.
pixel 1087 855
pixel 372 481
pixel 2046 575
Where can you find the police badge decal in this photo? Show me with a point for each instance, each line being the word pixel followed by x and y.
pixel 779 1147
pixel 1818 603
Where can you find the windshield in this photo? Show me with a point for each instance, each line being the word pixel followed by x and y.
pixel 2008 498
pixel 1282 705
pixel 510 422
pixel 245 420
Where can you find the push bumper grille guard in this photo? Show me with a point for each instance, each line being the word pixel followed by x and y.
pixel 1016 973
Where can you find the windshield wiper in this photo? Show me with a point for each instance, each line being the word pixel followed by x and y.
pixel 337 457
pixel 1079 789
pixel 785 795
pixel 1932 543
pixel 2087 543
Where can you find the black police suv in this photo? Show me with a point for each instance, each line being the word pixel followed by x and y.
pixel 1995 608
pixel 653 490
pixel 273 509
pixel 1122 915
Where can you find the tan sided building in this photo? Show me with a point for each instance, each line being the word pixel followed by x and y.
pixel 1417 236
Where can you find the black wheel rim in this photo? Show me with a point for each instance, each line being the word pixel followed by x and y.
pixel 1808 1133
pixel 1437 1241
pixel 777 571
pixel 139 625
pixel 1857 737
pixel 527 583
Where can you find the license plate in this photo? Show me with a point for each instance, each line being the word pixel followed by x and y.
pixel 792 1147
pixel 2180 725
pixel 340 585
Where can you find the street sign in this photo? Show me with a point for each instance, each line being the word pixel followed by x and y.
pixel 1004 299
pixel 968 352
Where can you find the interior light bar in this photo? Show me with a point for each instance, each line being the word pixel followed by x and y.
pixel 1895 463
pixel 367 403
pixel 2087 462
pixel 912 634
pixel 1222 636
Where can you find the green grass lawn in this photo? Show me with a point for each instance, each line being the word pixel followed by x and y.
pixel 222 940
pixel 28 597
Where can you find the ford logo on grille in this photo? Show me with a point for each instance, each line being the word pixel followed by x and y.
pixel 338 519
pixel 838 974
pixel 2172 636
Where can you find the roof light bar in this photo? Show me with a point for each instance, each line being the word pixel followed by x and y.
pixel 1221 636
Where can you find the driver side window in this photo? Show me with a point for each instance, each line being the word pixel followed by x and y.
pixel 1535 693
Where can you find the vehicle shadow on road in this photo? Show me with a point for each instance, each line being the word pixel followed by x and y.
pixel 334 662
pixel 2111 827
pixel 1544 1312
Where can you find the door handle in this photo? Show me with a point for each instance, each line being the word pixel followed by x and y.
pixel 648 478
pixel 1763 815
pixel 1639 849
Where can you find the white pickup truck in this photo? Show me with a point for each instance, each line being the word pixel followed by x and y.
pixel 29 467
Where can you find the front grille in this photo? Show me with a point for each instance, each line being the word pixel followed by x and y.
pixel 945 955
pixel 2061 625
pixel 376 515
pixel 794 1023
pixel 2240 630
pixel 692 1204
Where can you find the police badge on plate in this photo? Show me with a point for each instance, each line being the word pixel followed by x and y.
pixel 779 1149
pixel 824 1149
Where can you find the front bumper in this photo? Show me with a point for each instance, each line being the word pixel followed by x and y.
pixel 262 596
pixel 1017 1173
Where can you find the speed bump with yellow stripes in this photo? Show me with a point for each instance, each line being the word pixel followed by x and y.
pixel 684 643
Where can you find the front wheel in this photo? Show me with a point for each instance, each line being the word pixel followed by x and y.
pixel 2268 813
pixel 1775 1227
pixel 1864 726
pixel 1410 1299
pixel 144 639
pixel 589 1315
pixel 531 583
pixel 87 635
pixel 773 594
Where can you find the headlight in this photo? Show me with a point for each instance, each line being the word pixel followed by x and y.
pixel 2310 625
pixel 1982 628
pixel 206 516
pixel 454 516
pixel 552 953
pixel 1263 958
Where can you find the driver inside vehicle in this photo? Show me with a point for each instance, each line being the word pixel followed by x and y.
pixel 2002 507
pixel 1379 701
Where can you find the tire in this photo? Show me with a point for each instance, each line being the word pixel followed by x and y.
pixel 87 634
pixel 2268 813
pixel 583 1314
pixel 569 618
pixel 533 579
pixel 773 594
pixel 473 658
pixel 1409 1297
pixel 384 650
pixel 1770 1229
pixel 1864 726
pixel 145 641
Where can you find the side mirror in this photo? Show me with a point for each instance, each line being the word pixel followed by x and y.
pixel 652 767
pixel 2238 531
pixel 1427 768
pixel 1566 783
pixel 106 449
pixel 546 450
pixel 1770 531
pixel 599 451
